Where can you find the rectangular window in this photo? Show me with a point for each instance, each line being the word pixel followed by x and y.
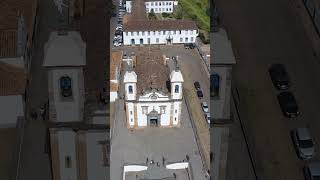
pixel 142 33
pixel 186 39
pixel 149 41
pixel 156 4
pixel 130 112
pixel 130 90
pixel 174 32
pixel 105 158
pixel 163 32
pixel 167 9
pixel 157 40
pixel 154 33
pixel 159 32
pixel 180 31
pixel 176 89
pixel 175 111
pixel 162 109
pixel 149 33
pixel 191 39
pixel 144 109
pixel 170 9
pixel 180 39
pixel 152 4
pixel 169 3
pixel 129 33
pixel 147 9
pixel 191 32
pixel 68 162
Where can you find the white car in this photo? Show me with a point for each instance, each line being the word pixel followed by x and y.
pixel 303 143
pixel 208 118
pixel 205 107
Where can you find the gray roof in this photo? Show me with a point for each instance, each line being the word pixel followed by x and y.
pixel 221 48
pixel 65 50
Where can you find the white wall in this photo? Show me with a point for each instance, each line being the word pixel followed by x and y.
pixel 164 118
pixel 166 6
pixel 154 35
pixel 176 112
pixel 130 96
pixel 66 140
pixel 128 6
pixel 177 95
pixel 130 108
pixel 113 96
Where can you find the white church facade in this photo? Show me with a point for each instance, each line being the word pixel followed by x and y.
pixel 158 6
pixel 160 32
pixel 153 96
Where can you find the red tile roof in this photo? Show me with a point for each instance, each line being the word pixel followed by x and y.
pixel 156 25
pixel 12 80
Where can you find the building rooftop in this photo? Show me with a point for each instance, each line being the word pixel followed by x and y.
pixel 115 65
pixel 149 25
pixel 222 49
pixel 152 71
pixel 10 11
pixel 65 50
pixel 12 80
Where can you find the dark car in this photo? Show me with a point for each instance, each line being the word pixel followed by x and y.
pixel 197 85
pixel 189 45
pixel 279 76
pixel 65 86
pixel 199 93
pixel 288 104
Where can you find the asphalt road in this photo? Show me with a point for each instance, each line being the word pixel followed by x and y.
pixel 265 32
pixel 35 163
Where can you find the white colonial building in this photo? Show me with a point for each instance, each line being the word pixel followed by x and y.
pixel 153 95
pixel 160 32
pixel 158 6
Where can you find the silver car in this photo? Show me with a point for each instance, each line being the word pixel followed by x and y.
pixel 303 143
pixel 312 171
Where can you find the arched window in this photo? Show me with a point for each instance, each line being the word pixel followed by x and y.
pixel 176 88
pixel 214 85
pixel 130 89
pixel 66 86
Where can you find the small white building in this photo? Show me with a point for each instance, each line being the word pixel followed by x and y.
pixel 153 95
pixel 160 32
pixel 158 6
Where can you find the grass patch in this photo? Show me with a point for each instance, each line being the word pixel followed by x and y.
pixel 197 10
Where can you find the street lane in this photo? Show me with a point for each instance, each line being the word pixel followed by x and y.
pixel 265 32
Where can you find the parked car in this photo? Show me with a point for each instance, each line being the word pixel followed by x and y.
pixel 205 107
pixel 303 143
pixel 208 117
pixel 288 104
pixel 189 46
pixel 197 85
pixel 200 94
pixel 312 171
pixel 279 76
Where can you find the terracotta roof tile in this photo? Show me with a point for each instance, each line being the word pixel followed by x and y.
pixel 8 43
pixel 115 64
pixel 12 80
pixel 149 25
pixel 151 70
pixel 10 10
